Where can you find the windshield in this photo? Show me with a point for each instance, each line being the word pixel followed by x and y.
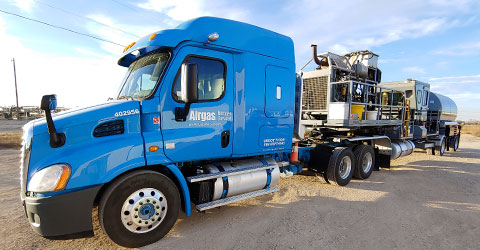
pixel 142 75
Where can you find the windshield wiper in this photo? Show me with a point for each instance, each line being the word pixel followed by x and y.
pixel 125 97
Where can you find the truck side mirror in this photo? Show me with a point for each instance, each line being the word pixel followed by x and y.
pixel 189 90
pixel 189 83
pixel 49 102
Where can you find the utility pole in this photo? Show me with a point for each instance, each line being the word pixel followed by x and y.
pixel 16 91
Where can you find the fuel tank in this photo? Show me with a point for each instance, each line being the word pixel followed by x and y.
pixel 242 183
pixel 400 149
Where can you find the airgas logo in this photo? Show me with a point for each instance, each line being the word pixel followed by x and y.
pixel 201 116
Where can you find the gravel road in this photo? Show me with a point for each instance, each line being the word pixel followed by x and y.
pixel 422 202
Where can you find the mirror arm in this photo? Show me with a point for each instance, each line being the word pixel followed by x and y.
pixel 56 139
pixel 49 103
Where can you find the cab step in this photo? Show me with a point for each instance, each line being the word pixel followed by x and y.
pixel 240 197
pixel 203 177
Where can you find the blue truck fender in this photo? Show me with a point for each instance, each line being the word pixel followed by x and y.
pixel 183 186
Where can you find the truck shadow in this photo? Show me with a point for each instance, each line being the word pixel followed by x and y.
pixel 464 153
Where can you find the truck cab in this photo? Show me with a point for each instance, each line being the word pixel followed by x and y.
pixel 212 96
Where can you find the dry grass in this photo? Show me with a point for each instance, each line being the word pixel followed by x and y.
pixel 471 129
pixel 11 140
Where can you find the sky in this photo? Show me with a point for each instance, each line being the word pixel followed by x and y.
pixel 435 41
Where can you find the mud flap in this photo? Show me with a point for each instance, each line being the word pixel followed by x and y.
pixel 381 161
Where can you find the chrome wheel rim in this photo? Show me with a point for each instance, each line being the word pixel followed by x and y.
pixel 345 167
pixel 442 149
pixel 456 143
pixel 367 162
pixel 144 210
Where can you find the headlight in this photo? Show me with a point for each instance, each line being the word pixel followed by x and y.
pixel 49 179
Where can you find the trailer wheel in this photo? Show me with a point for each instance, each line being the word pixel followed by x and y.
pixel 365 160
pixel 456 142
pixel 139 208
pixel 341 166
pixel 442 147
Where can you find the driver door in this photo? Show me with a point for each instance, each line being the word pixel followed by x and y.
pixel 207 131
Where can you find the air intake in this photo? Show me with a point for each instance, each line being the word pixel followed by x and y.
pixel 109 128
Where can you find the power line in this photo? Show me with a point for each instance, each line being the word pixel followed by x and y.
pixel 62 28
pixel 84 17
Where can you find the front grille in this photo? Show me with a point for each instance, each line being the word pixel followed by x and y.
pixel 109 128
pixel 315 93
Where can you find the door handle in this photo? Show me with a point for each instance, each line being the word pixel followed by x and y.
pixel 225 138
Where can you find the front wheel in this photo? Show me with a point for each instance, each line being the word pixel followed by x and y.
pixel 139 208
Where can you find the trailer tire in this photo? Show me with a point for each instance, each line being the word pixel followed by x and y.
pixel 365 160
pixel 456 142
pixel 139 208
pixel 443 146
pixel 340 166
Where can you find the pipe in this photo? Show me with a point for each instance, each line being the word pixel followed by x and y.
pixel 315 57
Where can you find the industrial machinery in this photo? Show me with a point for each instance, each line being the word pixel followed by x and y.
pixel 211 113
pixel 432 117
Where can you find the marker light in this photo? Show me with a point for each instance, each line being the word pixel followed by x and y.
pixel 153 36
pixel 50 179
pixel 129 46
pixel 153 148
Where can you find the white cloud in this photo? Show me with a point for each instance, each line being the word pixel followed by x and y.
pixel 464 90
pixel 456 79
pixel 414 69
pixel 179 10
pixel 25 5
pixel 465 49
pixel 117 36
pixel 77 81
pixel 339 49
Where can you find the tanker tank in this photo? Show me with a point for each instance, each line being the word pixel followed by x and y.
pixel 445 106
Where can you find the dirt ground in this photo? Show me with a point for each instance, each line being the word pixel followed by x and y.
pixel 422 202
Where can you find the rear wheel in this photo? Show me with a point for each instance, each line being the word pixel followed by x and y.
pixel 442 147
pixel 456 142
pixel 365 160
pixel 340 166
pixel 139 208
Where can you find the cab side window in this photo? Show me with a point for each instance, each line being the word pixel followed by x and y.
pixel 211 79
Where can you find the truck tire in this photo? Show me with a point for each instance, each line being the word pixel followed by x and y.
pixel 443 145
pixel 456 142
pixel 341 166
pixel 365 160
pixel 139 208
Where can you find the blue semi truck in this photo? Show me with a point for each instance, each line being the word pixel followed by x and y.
pixel 211 113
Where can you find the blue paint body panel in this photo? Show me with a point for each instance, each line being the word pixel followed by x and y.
pixel 257 109
pixel 232 35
